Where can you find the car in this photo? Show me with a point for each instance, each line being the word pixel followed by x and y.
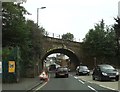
pixel 61 72
pixel 52 67
pixel 82 70
pixel 105 72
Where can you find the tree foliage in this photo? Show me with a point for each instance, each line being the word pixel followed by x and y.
pixel 117 32
pixel 17 31
pixel 68 36
pixel 32 49
pixel 13 29
pixel 100 41
pixel 117 27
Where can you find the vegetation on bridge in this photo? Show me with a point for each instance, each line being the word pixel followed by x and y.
pixel 68 36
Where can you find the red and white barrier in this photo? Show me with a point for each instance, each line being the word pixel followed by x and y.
pixel 43 76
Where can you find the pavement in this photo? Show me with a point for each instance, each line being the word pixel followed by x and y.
pixel 24 84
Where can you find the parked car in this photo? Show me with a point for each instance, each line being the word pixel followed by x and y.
pixel 61 72
pixel 82 70
pixel 105 72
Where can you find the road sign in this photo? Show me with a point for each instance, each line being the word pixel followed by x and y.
pixel 11 66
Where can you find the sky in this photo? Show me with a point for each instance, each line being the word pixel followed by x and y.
pixel 74 16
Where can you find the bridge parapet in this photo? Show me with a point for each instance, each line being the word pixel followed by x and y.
pixel 61 41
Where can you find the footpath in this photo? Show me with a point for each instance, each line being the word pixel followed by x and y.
pixel 24 84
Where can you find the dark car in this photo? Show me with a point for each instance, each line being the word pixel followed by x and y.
pixel 52 67
pixel 82 70
pixel 105 72
pixel 61 72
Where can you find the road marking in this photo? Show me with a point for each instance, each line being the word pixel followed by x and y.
pixel 75 77
pixel 97 84
pixel 107 87
pixel 86 81
pixel 90 82
pixel 92 88
pixel 81 81
pixel 41 86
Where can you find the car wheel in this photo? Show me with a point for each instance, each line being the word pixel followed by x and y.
pixel 117 79
pixel 100 79
pixel 93 77
pixel 66 76
pixel 56 76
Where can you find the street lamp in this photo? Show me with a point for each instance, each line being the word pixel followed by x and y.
pixel 118 45
pixel 118 52
pixel 38 14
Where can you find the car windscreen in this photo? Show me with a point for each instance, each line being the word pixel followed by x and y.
pixel 107 67
pixel 84 67
pixel 62 69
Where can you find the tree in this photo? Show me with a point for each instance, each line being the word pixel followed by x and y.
pixel 117 32
pixel 68 36
pixel 100 42
pixel 33 49
pixel 35 36
pixel 19 32
pixel 13 29
pixel 117 27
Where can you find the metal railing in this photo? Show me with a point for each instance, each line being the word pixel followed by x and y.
pixel 58 36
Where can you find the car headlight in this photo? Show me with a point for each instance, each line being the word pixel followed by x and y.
pixel 88 70
pixel 105 74
pixel 117 73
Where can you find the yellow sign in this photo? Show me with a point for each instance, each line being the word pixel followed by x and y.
pixel 11 66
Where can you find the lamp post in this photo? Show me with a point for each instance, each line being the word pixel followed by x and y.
pixel 38 14
pixel 118 48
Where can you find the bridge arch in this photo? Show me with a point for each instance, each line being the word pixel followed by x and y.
pixel 71 54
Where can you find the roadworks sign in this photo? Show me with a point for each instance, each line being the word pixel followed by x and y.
pixel 11 66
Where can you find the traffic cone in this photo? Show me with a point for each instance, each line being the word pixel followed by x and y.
pixel 43 76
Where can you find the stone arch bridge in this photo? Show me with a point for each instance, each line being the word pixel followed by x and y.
pixel 70 48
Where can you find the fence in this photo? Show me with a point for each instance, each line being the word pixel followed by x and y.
pixel 54 35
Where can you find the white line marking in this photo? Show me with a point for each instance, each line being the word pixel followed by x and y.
pixel 92 88
pixel 89 81
pixel 41 86
pixel 81 81
pixel 86 80
pixel 75 77
pixel 107 87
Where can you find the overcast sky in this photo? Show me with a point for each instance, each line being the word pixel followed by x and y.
pixel 74 16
